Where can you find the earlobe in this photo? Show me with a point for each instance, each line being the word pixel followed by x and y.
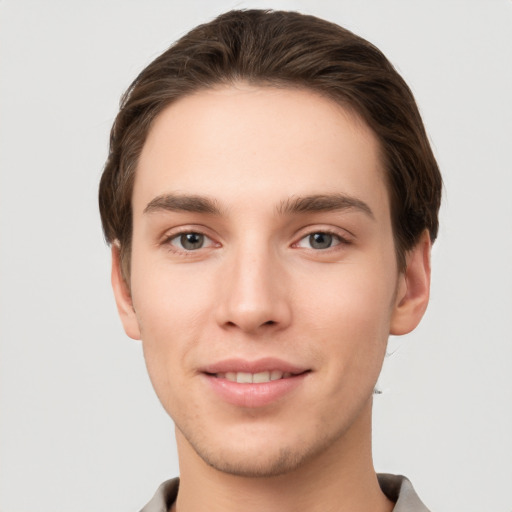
pixel 413 289
pixel 123 297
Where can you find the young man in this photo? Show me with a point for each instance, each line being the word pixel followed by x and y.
pixel 271 198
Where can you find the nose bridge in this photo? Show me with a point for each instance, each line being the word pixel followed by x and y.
pixel 254 295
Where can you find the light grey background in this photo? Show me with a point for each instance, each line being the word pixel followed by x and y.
pixel 80 427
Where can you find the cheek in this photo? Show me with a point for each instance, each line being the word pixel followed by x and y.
pixel 351 316
pixel 350 294
pixel 168 296
pixel 172 307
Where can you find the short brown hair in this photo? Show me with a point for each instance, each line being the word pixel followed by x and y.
pixel 283 49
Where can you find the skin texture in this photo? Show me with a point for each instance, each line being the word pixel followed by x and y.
pixel 258 288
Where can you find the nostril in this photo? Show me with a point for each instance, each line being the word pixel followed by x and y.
pixel 269 322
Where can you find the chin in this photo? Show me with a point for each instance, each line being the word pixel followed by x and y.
pixel 258 460
pixel 245 465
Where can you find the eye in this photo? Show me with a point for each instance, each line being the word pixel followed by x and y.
pixel 320 240
pixel 190 241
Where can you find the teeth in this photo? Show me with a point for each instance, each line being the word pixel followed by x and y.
pixel 261 377
pixel 244 378
pixel 250 378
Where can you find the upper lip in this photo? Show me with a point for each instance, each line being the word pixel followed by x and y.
pixel 256 366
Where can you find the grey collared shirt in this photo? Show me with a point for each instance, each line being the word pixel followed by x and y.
pixel 396 487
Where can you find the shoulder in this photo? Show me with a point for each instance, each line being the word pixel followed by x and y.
pixel 164 497
pixel 400 490
pixel 396 487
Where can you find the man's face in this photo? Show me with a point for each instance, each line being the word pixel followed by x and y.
pixel 262 249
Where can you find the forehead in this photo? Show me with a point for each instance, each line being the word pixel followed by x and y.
pixel 271 143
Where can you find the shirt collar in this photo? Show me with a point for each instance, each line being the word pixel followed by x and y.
pixel 396 487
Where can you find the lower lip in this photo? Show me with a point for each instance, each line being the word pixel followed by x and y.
pixel 254 395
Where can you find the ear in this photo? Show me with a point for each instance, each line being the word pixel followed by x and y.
pixel 123 297
pixel 413 288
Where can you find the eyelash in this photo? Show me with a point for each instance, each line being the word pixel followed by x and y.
pixel 340 239
pixel 177 235
pixel 188 252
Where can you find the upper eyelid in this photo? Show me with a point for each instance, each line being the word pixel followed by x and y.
pixel 171 233
pixel 341 233
pixel 207 242
pixel 173 236
pixel 168 240
pixel 340 241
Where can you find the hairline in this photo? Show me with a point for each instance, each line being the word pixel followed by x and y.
pixel 344 105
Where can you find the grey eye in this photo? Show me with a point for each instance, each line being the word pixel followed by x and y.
pixel 191 241
pixel 320 240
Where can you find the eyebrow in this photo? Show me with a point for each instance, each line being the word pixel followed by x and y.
pixel 183 203
pixel 323 203
pixel 302 204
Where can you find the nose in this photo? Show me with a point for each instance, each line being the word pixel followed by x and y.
pixel 255 294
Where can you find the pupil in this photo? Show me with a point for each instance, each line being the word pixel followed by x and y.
pixel 192 240
pixel 320 240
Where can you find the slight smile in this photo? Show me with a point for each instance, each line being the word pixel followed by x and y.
pixel 254 378
pixel 254 384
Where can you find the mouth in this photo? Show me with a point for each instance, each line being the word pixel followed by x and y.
pixel 254 378
pixel 254 384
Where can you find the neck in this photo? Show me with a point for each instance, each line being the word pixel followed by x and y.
pixel 341 478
